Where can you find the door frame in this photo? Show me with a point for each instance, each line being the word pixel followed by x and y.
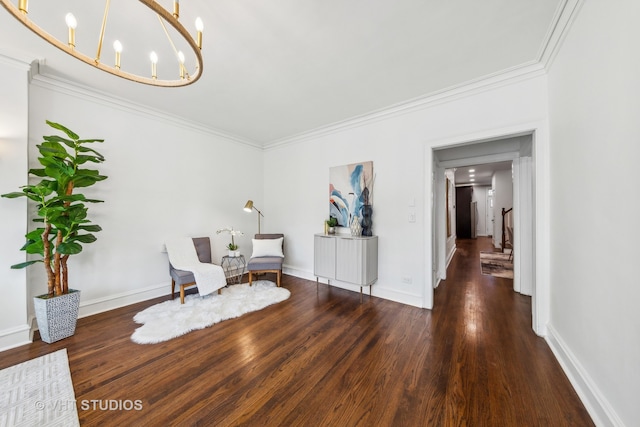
pixel 540 194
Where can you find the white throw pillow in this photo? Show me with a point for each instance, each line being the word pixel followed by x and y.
pixel 267 247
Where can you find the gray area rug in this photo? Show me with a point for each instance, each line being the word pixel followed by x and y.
pixel 38 392
pixel 496 264
pixel 170 319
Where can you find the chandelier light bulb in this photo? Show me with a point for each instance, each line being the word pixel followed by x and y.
pixel 71 20
pixel 154 61
pixel 72 23
pixel 199 28
pixel 117 46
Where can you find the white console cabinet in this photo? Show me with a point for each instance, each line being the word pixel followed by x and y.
pixel 346 259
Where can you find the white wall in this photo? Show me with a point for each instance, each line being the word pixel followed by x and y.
pixel 165 179
pixel 14 329
pixel 594 99
pixel 400 147
pixel 502 184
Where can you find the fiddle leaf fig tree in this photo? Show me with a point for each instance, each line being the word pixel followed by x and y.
pixel 62 223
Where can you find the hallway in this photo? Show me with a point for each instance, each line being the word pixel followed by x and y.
pixel 500 373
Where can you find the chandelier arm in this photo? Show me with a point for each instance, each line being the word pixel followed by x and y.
pixel 151 4
pixel 173 46
pixel 104 26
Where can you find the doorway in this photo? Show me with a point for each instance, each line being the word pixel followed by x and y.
pixel 517 149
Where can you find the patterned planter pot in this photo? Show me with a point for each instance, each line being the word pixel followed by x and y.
pixel 57 316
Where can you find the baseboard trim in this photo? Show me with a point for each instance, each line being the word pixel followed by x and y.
pixel 376 290
pixel 100 305
pixel 452 252
pixel 14 337
pixel 593 399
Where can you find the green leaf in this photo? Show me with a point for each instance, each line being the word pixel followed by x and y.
pixel 38 172
pixel 86 141
pixel 34 247
pixel 42 190
pixel 81 159
pixel 69 248
pixel 56 138
pixel 91 150
pixel 83 238
pixel 25 264
pixel 91 228
pixel 73 198
pixel 87 180
pixel 13 195
pixel 51 148
pixel 35 234
pixel 69 133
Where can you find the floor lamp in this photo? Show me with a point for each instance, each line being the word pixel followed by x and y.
pixel 249 207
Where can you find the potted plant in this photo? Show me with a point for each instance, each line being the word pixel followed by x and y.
pixel 332 223
pixel 62 225
pixel 233 248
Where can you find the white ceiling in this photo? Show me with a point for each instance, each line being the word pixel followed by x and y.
pixel 482 173
pixel 273 69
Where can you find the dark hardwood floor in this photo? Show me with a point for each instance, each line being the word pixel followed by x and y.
pixel 325 359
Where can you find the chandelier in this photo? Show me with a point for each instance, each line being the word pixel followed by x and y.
pixel 181 77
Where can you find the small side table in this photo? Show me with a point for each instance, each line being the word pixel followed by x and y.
pixel 234 268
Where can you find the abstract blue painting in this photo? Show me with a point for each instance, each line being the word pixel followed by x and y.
pixel 350 188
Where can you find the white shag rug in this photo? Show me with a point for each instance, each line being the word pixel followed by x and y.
pixel 38 392
pixel 170 319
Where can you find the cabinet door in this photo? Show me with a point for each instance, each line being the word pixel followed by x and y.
pixel 357 260
pixel 349 253
pixel 324 257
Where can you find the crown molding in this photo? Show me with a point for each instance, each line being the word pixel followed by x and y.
pixel 563 19
pixel 20 60
pixel 67 87
pixel 502 78
pixel 15 58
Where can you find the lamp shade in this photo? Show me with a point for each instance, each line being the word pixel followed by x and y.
pixel 249 206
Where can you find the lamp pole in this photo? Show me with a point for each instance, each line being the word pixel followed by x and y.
pixel 249 207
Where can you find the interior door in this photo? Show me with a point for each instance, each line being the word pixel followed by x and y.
pixel 489 213
pixel 463 212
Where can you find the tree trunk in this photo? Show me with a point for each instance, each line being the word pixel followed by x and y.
pixel 47 259
pixel 56 265
pixel 65 274
pixel 60 261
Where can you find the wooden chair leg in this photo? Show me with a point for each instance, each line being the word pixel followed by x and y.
pixel 279 275
pixel 181 294
pixel 173 289
pixel 250 277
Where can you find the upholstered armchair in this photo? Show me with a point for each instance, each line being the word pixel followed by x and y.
pixel 268 256
pixel 186 279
